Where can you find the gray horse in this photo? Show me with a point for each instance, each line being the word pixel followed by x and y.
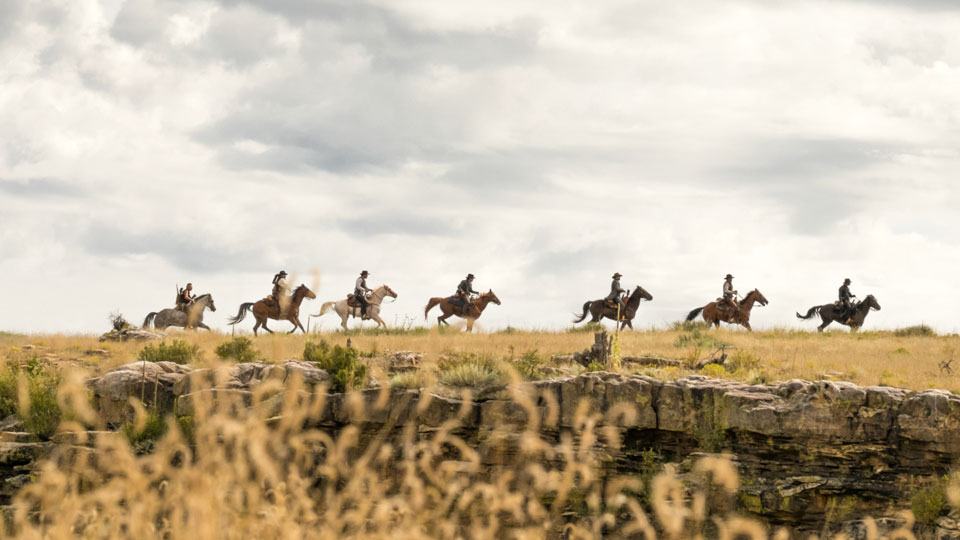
pixel 174 317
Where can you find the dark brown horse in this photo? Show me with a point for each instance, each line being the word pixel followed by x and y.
pixel 715 315
pixel 599 309
pixel 473 309
pixel 829 313
pixel 288 310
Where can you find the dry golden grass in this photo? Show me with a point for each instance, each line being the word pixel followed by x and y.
pixel 867 358
pixel 259 472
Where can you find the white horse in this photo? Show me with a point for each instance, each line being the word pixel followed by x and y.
pixel 373 307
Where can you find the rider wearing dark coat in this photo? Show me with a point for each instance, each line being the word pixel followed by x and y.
pixel 464 290
pixel 846 297
pixel 615 291
pixel 360 291
pixel 184 298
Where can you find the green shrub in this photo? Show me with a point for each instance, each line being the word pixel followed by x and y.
pixel 929 503
pixel 342 363
pixel 178 352
pixel 530 365
pixel 43 415
pixel 470 375
pixel 697 338
pixel 595 366
pixel 742 360
pixel 239 349
pixel 917 330
pixel 590 327
pixel 153 429
pixel 689 326
pixel 408 379
pixel 188 427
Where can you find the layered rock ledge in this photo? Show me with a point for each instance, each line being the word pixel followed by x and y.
pixel 813 456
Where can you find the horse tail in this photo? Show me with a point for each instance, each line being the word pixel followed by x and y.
pixel 815 310
pixel 586 309
pixel 244 308
pixel 433 301
pixel 693 314
pixel 149 320
pixel 324 308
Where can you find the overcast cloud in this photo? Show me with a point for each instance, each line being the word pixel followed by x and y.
pixel 540 145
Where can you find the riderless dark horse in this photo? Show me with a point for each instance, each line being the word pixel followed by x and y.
pixel 599 309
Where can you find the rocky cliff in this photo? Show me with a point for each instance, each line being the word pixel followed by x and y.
pixel 812 456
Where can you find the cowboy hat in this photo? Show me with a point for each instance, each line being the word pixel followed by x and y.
pixel 364 273
pixel 728 277
pixel 470 276
pixel 617 275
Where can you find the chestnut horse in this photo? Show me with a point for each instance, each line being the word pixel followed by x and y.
pixel 829 313
pixel 598 309
pixel 289 310
pixel 473 309
pixel 713 315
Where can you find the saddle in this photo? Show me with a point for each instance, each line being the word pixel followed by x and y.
pixel 352 300
pixel 612 304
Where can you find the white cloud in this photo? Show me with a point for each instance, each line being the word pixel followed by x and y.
pixel 150 143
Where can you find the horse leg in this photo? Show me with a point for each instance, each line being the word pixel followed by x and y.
pixel 442 320
pixel 201 325
pixel 264 326
pixel 470 325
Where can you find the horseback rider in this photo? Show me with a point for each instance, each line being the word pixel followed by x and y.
pixel 280 287
pixel 464 290
pixel 615 291
pixel 729 293
pixel 846 299
pixel 184 298
pixel 359 292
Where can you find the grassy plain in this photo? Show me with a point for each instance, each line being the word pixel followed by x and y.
pixel 865 358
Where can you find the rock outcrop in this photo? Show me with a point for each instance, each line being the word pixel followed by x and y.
pixel 159 384
pixel 813 456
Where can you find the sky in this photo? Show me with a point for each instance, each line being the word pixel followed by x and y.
pixel 540 144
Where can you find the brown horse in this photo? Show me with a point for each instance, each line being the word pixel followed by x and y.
pixel 599 309
pixel 473 309
pixel 289 310
pixel 715 315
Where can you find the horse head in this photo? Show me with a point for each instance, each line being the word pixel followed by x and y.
pixel 758 296
pixel 491 297
pixel 642 294
pixel 207 299
pixel 871 302
pixel 389 291
pixel 303 292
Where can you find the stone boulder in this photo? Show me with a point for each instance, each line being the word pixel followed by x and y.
pixel 151 382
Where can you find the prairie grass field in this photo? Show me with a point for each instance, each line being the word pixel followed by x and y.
pixel 230 469
pixel 908 358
